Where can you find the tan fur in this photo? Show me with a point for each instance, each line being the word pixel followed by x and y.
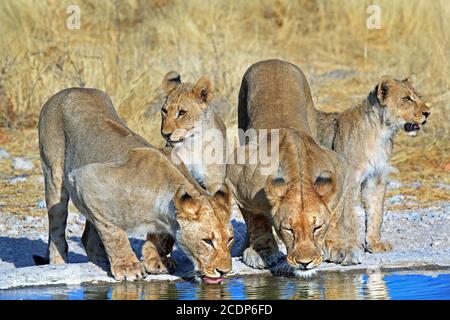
pixel 364 136
pixel 123 185
pixel 186 114
pixel 303 201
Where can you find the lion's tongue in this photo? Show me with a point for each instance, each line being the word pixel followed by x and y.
pixel 209 280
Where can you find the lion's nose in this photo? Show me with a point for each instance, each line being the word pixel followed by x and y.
pixel 222 272
pixel 304 265
pixel 426 114
pixel 166 135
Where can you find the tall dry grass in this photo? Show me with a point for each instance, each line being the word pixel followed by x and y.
pixel 125 48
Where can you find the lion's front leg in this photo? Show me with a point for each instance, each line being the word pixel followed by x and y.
pixel 334 245
pixel 155 254
pixel 262 251
pixel 342 244
pixel 373 191
pixel 124 263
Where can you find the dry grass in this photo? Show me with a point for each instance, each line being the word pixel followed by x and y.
pixel 125 48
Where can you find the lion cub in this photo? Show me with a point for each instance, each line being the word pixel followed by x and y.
pixel 196 134
pixel 364 136
pixel 122 184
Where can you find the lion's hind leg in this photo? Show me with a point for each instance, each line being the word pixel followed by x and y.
pixel 373 191
pixel 262 251
pixel 155 254
pixel 57 199
pixel 95 250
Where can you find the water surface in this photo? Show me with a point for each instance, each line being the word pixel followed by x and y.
pixel 327 285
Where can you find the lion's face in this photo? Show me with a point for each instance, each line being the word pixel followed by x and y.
pixel 184 106
pixel 206 234
pixel 404 106
pixel 301 217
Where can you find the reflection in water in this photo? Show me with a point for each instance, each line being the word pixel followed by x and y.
pixel 326 285
pixel 151 290
pixel 376 286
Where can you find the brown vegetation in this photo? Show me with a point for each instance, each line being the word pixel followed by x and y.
pixel 126 47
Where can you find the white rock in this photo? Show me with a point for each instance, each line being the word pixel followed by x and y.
pixel 41 204
pixel 394 184
pixel 18 180
pixel 442 186
pixel 22 164
pixel 4 154
pixel 396 199
pixel 29 219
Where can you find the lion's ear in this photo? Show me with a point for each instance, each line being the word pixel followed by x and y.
pixel 383 87
pixel 185 205
pixel 170 81
pixel 325 183
pixel 411 80
pixel 276 188
pixel 203 89
pixel 223 195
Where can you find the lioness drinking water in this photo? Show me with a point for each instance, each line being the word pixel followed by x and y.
pixel 121 183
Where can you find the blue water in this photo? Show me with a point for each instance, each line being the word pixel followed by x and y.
pixel 347 286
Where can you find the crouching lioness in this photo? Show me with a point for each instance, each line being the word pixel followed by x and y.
pixel 121 184
pixel 303 198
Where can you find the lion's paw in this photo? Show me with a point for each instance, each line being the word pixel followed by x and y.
pixel 262 259
pixel 353 255
pixel 334 251
pixel 159 265
pixel 252 259
pixel 340 253
pixel 378 246
pixel 130 272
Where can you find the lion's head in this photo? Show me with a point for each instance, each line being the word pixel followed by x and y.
pixel 183 107
pixel 205 233
pixel 301 214
pixel 404 106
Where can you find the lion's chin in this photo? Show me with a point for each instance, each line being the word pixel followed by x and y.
pixel 412 133
pixel 305 274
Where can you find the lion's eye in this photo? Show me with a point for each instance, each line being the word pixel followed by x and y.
pixel 164 111
pixel 181 113
pixel 406 99
pixel 317 228
pixel 209 242
pixel 288 230
pixel 230 240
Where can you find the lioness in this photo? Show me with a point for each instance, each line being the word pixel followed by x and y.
pixel 303 201
pixel 194 130
pixel 121 183
pixel 363 135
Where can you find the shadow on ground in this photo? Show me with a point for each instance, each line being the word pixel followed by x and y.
pixel 20 251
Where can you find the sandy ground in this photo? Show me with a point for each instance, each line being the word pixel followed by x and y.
pixel 420 238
